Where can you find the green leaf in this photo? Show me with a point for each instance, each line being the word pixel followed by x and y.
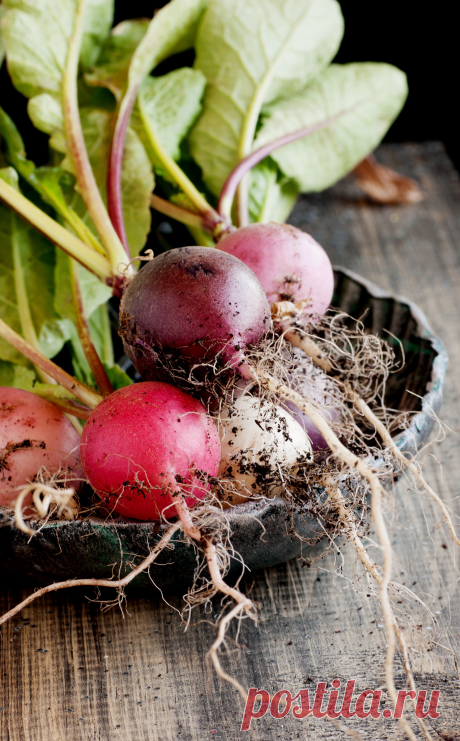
pixel 36 34
pixel 27 261
pixel 2 46
pixel 47 181
pixel 98 22
pixel 112 66
pixel 168 106
pixel 355 104
pixel 253 53
pixel 53 336
pixel 94 293
pixel 16 375
pixel 15 146
pixel 117 377
pixel 271 195
pixel 171 30
pixel 45 112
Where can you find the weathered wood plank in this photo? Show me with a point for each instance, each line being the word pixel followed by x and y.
pixel 69 671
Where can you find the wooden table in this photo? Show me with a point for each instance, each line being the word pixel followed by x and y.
pixel 70 671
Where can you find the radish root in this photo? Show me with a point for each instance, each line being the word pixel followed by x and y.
pixel 283 315
pixel 336 497
pixel 43 497
pixel 284 312
pixel 117 584
pixel 243 604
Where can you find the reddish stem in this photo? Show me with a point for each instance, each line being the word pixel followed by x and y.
pixel 86 395
pixel 94 361
pixel 114 195
pixel 242 168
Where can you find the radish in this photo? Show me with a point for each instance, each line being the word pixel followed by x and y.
pixel 312 383
pixel 195 306
pixel 260 442
pixel 35 436
pixel 290 265
pixel 146 442
pixel 179 308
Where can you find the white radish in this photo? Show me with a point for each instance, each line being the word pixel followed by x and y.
pixel 261 443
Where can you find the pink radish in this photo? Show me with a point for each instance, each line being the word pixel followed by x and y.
pixel 289 263
pixel 34 435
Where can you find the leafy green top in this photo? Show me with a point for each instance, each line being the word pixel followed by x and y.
pixel 262 71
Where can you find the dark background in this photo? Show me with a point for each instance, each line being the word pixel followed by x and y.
pixel 423 41
pixel 419 41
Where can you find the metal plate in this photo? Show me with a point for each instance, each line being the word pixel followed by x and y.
pixel 94 548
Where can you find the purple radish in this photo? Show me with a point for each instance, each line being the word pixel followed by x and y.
pixel 313 384
pixel 192 303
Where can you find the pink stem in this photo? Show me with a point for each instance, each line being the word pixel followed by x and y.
pixel 114 195
pixel 237 174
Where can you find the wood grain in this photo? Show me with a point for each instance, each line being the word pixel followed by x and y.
pixel 73 672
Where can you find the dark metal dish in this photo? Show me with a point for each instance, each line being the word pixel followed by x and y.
pixel 94 548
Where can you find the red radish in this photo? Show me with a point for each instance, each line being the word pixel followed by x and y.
pixel 34 434
pixel 145 442
pixel 192 302
pixel 289 263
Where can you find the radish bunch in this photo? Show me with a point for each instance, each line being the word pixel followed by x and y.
pixel 190 309
pixel 152 451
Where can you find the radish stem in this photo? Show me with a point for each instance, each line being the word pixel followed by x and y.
pixel 185 184
pixel 235 179
pixel 63 399
pixel 114 197
pixel 94 361
pixel 78 154
pixel 94 262
pixel 25 316
pixel 16 155
pixel 189 218
pixel 82 392
pixel 28 329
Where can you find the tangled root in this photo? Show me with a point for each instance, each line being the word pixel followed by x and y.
pixel 50 499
